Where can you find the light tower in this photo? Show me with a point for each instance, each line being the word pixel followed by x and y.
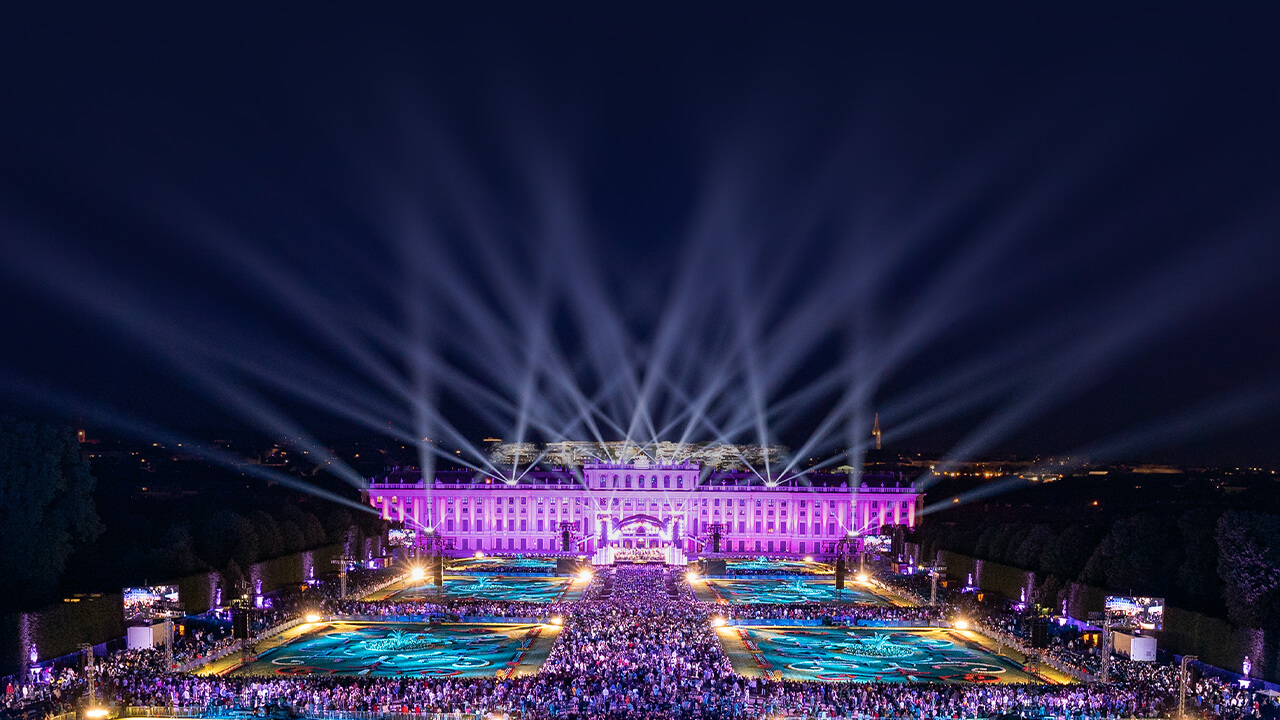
pixel 875 430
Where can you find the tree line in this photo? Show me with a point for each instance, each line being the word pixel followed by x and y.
pixel 63 531
pixel 1223 563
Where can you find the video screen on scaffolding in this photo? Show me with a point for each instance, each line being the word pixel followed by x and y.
pixel 1136 612
pixel 150 602
pixel 877 544
pixel 401 537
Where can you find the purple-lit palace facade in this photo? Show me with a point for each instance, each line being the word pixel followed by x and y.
pixel 675 508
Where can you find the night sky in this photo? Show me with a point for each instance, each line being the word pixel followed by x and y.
pixel 1049 224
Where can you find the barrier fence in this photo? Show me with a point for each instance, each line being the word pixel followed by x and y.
pixel 1034 655
pixel 235 647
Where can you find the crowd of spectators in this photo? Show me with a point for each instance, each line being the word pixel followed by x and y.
pixel 839 612
pixel 639 646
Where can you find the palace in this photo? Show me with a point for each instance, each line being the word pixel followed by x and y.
pixel 677 507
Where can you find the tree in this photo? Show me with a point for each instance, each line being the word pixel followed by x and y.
pixel 232 579
pixel 291 537
pixel 1066 555
pixel 336 524
pixel 312 531
pixel 176 554
pixel 46 507
pixel 270 543
pixel 1249 565
pixel 1198 574
pixel 1134 556
pixel 228 535
pixel 1027 556
pixel 985 541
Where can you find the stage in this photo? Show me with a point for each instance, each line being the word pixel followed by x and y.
pixel 867 655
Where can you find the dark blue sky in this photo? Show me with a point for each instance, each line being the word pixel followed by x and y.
pixel 1086 191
